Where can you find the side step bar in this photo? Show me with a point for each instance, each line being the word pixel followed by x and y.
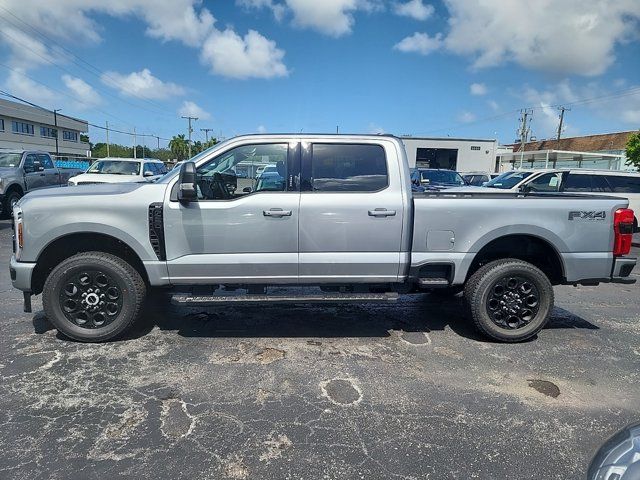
pixel 204 300
pixel 427 282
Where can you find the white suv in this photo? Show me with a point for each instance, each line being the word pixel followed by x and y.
pixel 119 170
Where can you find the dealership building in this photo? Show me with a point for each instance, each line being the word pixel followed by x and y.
pixel 23 127
pixel 461 154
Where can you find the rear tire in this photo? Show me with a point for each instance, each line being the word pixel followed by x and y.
pixel 93 296
pixel 509 300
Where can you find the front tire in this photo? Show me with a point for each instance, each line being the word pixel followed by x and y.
pixel 509 300
pixel 93 296
pixel 9 201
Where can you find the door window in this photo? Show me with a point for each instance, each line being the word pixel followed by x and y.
pixel 624 184
pixel 30 163
pixel 549 182
pixel 244 170
pixel 578 183
pixel 346 168
pixel 45 160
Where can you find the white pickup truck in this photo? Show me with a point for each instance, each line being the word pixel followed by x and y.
pixel 335 214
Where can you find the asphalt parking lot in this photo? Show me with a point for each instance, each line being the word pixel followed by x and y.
pixel 359 391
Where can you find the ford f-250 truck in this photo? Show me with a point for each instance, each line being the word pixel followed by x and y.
pixel 342 221
pixel 23 171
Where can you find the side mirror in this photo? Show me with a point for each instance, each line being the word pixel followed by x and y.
pixel 147 173
pixel 39 168
pixel 187 187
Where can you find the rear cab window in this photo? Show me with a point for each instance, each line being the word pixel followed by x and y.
pixel 342 167
pixel 624 183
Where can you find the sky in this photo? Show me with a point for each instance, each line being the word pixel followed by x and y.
pixel 459 68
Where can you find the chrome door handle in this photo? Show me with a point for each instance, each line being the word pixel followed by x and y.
pixel 276 212
pixel 382 212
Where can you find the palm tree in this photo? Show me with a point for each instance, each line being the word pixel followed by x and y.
pixel 179 147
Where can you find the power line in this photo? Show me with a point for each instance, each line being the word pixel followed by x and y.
pixel 92 69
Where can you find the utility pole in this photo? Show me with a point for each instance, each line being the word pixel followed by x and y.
pixel 55 123
pixel 190 131
pixel 524 130
pixel 562 110
pixel 107 129
pixel 135 154
pixel 206 133
pixel 158 141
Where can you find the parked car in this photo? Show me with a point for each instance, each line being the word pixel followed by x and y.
pixel 436 179
pixel 22 171
pixel 345 220
pixel 615 183
pixel 118 170
pixel 477 179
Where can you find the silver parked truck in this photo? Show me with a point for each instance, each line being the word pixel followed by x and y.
pixel 332 217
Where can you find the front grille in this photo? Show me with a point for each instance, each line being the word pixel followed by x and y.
pixel 156 230
pixel 89 183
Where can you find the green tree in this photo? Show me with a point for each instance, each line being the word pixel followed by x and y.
pixel 633 150
pixel 179 147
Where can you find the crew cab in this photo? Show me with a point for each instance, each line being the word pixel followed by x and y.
pixel 343 226
pixel 22 171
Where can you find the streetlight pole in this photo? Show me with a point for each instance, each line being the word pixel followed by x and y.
pixel 55 123
pixel 190 131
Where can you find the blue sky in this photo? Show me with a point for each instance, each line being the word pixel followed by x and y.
pixel 452 68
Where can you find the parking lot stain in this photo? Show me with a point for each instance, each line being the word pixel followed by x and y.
pixel 415 338
pixel 546 388
pixel 176 420
pixel 275 447
pixel 341 391
pixel 270 355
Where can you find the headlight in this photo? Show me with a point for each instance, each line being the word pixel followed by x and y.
pixel 71 183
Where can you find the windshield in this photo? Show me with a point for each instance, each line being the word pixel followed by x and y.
pixel 507 180
pixel 440 177
pixel 10 159
pixel 115 167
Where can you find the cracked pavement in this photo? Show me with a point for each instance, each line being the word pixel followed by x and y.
pixel 404 391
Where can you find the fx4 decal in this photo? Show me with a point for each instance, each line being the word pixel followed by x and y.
pixel 587 215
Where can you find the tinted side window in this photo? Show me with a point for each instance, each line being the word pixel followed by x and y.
pixel 622 184
pixel 600 184
pixel 348 168
pixel 29 163
pixel 549 182
pixel 578 183
pixel 45 160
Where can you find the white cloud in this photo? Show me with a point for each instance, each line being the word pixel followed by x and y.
pixel 420 43
pixel 253 55
pixel 560 36
pixel 277 9
pixel 376 129
pixel 186 21
pixel 22 86
pixel 86 97
pixel 261 129
pixel 141 84
pixel 478 89
pixel 493 105
pixel 466 117
pixel 415 9
pixel 190 109
pixel 331 17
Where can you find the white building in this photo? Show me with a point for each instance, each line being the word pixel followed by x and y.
pixel 23 127
pixel 461 154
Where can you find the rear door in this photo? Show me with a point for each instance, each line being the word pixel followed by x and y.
pixel 351 212
pixel 52 175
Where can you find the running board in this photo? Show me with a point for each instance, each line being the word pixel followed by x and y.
pixel 427 282
pixel 204 300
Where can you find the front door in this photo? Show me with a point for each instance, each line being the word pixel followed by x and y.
pixel 52 175
pixel 244 226
pixel 351 213
pixel 34 175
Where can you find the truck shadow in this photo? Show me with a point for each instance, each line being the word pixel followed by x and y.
pixel 423 313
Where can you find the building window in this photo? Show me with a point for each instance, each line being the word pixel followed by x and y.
pixel 70 136
pixel 22 128
pixel 473 147
pixel 2 124
pixel 48 132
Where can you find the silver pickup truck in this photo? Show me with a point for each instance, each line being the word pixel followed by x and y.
pixel 23 171
pixel 331 216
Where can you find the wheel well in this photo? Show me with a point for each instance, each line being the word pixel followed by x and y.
pixel 531 249
pixel 64 247
pixel 14 188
